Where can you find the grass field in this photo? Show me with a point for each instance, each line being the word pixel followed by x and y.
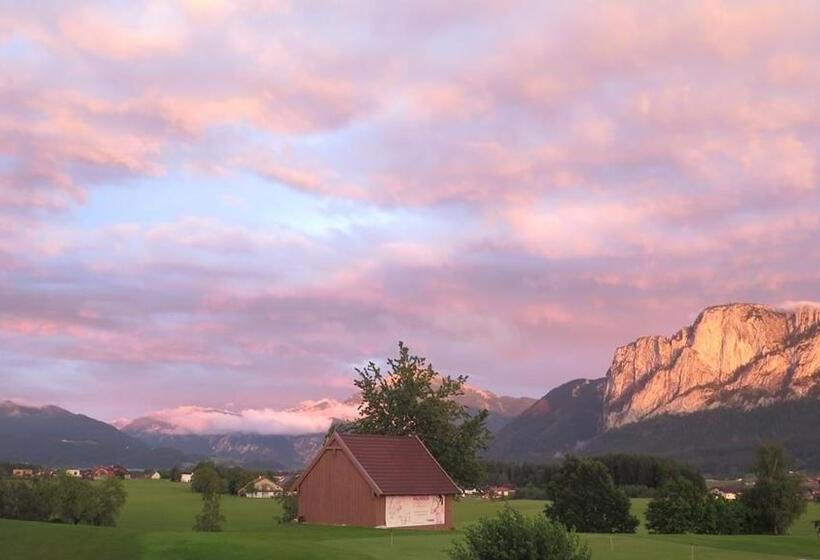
pixel 156 524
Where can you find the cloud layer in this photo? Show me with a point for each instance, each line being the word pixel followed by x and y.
pixel 213 202
pixel 307 418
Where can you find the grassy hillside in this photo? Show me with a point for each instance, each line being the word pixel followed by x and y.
pixel 157 519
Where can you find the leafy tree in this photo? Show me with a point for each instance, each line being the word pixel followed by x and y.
pixel 72 500
pixel 414 399
pixel 210 519
pixel 174 475
pixel 678 508
pixel 776 500
pixel 683 507
pixel 724 517
pixel 106 502
pixel 206 479
pixel 64 499
pixel 236 478
pixel 638 475
pixel 585 499
pixel 513 536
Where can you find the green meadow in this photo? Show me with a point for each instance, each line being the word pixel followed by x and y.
pixel 156 524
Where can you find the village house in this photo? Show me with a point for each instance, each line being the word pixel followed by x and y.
pixel 22 473
pixel 100 473
pixel 154 476
pixel 725 493
pixel 499 492
pixel 111 471
pixel 74 473
pixel 288 482
pixel 186 477
pixel 376 481
pixel 261 487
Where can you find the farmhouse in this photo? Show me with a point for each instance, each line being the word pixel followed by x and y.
pixel 154 476
pixel 376 481
pixel 261 487
pixel 22 473
pixel 99 473
pixel 110 471
pixel 725 493
pixel 499 492
pixel 186 477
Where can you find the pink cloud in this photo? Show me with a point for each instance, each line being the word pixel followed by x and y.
pixel 308 417
pixel 491 185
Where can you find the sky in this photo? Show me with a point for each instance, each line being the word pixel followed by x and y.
pixel 234 204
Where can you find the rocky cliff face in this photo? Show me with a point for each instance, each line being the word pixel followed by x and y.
pixel 741 355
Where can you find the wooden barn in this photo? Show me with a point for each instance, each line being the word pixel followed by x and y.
pixel 376 481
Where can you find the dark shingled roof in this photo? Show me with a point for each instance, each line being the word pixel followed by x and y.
pixel 399 465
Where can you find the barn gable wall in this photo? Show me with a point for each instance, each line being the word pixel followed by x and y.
pixel 335 493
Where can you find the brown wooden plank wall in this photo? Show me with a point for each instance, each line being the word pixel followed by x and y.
pixel 335 493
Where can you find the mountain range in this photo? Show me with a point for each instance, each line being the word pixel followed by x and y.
pixel 50 435
pixel 291 451
pixel 708 395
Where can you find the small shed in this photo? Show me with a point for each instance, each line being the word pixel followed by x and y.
pixel 376 481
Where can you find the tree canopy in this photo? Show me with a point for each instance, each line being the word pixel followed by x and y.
pixel 414 399
pixel 678 508
pixel 206 479
pixel 585 498
pixel 776 500
pixel 64 499
pixel 510 535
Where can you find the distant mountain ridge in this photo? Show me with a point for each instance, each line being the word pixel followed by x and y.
pixel 709 394
pixel 53 436
pixel 734 357
pixel 290 451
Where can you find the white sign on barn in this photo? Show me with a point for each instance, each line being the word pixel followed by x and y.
pixel 412 511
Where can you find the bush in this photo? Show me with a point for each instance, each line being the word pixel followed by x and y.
pixel 585 499
pixel 290 507
pixel 724 517
pixel 678 508
pixel 512 536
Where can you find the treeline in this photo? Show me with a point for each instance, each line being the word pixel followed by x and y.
pixel 62 500
pixel 7 468
pixel 637 475
pixel 722 442
pixel 769 507
pixel 219 478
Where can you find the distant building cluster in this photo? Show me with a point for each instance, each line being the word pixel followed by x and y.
pixel 100 472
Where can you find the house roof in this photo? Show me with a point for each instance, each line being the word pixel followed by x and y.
pixel 259 479
pixel 392 465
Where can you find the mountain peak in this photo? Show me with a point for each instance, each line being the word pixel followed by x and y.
pixel 741 354
pixel 662 394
